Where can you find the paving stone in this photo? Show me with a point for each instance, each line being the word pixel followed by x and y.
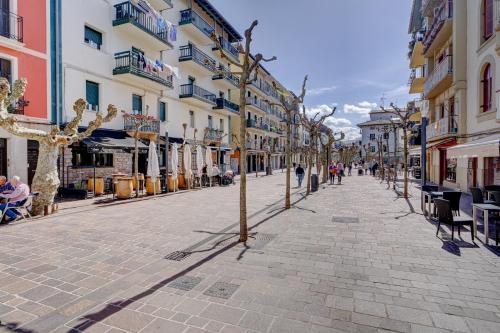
pixel 164 326
pixel 191 306
pixel 132 321
pixel 409 315
pixel 39 293
pixel 223 313
pixel 221 290
pixel 450 322
pixel 256 321
pixel 283 325
pixel 58 299
pixel 185 282
pixel 371 308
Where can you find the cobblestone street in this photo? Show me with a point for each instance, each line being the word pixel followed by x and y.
pixel 349 258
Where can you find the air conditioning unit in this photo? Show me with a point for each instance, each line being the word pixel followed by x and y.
pixel 92 107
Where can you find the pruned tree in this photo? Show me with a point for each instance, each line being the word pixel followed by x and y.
pixel 387 131
pixel 245 71
pixel 290 104
pixel 404 124
pixel 313 126
pixel 46 179
pixel 380 147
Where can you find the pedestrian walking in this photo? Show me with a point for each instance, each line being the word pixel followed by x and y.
pixel 299 172
pixel 349 169
pixel 365 166
pixel 331 172
pixel 340 172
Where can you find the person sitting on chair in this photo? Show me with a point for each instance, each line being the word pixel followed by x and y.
pixel 17 198
pixel 5 187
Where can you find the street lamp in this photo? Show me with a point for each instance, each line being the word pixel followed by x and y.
pixel 424 110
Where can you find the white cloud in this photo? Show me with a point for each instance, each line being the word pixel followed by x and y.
pixel 362 108
pixel 337 122
pixel 320 91
pixel 321 109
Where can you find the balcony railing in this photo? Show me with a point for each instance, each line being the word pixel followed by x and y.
pixel 191 52
pixel 443 14
pixel 257 104
pixel 441 70
pixel 227 75
pixel 127 12
pixel 141 123
pixel 190 16
pixel 11 25
pixel 214 134
pixel 445 126
pixel 223 103
pixel 192 90
pixel 229 48
pixel 132 62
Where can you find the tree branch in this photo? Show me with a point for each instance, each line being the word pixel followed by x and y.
pixel 72 127
pixel 99 120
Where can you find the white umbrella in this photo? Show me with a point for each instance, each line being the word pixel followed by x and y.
pixel 187 163
pixel 175 163
pixel 208 161
pixel 199 161
pixel 153 165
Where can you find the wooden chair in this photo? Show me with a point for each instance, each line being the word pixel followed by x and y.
pixel 445 216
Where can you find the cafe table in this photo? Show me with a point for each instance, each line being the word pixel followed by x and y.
pixel 429 196
pixel 486 208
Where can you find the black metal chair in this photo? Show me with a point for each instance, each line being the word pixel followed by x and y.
pixel 445 216
pixel 454 198
pixel 477 196
pixel 496 217
pixel 428 188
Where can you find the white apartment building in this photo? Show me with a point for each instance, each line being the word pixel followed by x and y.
pixel 118 52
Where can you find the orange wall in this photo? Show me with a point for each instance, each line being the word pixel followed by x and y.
pixel 35 23
pixel 34 69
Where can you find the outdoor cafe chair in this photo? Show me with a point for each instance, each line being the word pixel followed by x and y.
pixel 445 216
pixel 477 196
pixel 454 198
pixel 23 210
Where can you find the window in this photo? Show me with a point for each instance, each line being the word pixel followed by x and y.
pixel 385 149
pixel 487 19
pixel 162 111
pixel 136 104
pixel 221 125
pixel 451 170
pixel 373 149
pixel 386 136
pixel 82 158
pixel 93 38
pixel 92 95
pixel 372 136
pixel 191 119
pixel 487 88
pixel 6 69
pixel 210 122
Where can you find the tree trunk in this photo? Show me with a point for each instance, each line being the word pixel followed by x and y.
pixel 243 168
pixel 309 169
pixel 288 160
pixel 136 165
pixel 325 164
pixel 405 161
pixel 46 179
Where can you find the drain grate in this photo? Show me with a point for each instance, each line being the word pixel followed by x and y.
pixel 177 255
pixel 264 237
pixel 185 282
pixel 221 290
pixel 344 219
pixel 261 240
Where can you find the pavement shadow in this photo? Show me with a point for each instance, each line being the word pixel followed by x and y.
pixel 15 327
pixel 454 246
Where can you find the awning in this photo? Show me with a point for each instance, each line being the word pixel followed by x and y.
pixel 485 147
pixel 441 144
pixel 110 145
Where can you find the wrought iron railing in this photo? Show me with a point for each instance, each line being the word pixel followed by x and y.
pixel 192 90
pixel 223 72
pixel 141 123
pixel 11 25
pixel 233 51
pixel 191 52
pixel 444 126
pixel 441 70
pixel 190 16
pixel 132 62
pixel 444 13
pixel 126 12
pixel 214 134
pixel 223 103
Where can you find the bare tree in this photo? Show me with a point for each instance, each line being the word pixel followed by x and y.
pixel 313 126
pixel 245 71
pixel 404 118
pixel 46 179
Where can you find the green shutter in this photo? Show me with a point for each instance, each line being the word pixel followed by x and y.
pixel 92 92
pixel 93 35
pixel 137 103
pixel 163 111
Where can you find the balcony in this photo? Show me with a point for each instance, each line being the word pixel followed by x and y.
pixel 191 54
pixel 251 123
pixel 416 51
pixel 416 82
pixel 224 104
pixel 440 29
pixel 442 128
pixel 197 95
pixel 257 105
pixel 229 48
pixel 227 76
pixel 193 22
pixel 440 78
pixel 214 134
pixel 131 65
pixel 11 26
pixel 160 5
pixel 133 20
pixel 145 126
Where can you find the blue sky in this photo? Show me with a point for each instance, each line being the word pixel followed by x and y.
pixel 354 51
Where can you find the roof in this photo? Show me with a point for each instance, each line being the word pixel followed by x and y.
pixel 375 122
pixel 234 35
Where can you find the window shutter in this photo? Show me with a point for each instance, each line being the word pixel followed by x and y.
pixel 163 111
pixel 488 18
pixel 92 93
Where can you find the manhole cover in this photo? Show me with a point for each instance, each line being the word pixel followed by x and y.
pixel 344 219
pixel 177 255
pixel 221 290
pixel 185 282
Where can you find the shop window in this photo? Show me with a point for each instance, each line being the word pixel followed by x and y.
pixel 92 95
pixel 82 158
pixel 93 38
pixel 487 88
pixel 451 170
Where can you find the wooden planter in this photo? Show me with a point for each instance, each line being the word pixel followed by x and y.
pixel 149 186
pixel 123 188
pixel 99 185
pixel 181 181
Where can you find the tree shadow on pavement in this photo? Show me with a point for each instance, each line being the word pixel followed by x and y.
pixel 15 327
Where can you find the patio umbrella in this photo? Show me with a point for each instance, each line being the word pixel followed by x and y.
pixel 175 163
pixel 208 161
pixel 199 161
pixel 187 163
pixel 153 165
